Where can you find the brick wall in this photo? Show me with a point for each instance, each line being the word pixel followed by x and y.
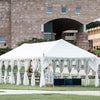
pixel 82 40
pixel 5 22
pixel 28 15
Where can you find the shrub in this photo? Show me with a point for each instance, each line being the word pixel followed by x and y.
pixel 98 48
pixel 4 50
pixel 93 24
pixel 72 42
pixel 33 40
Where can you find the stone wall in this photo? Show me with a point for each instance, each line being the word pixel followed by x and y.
pixel 82 40
pixel 27 16
pixel 25 21
pixel 5 22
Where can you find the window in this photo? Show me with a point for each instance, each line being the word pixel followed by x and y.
pixel 47 36
pixel 49 9
pixel 2 38
pixel 91 44
pixel 71 34
pixel 78 10
pixel 63 9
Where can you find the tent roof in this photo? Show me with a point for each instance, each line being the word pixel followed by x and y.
pixel 54 49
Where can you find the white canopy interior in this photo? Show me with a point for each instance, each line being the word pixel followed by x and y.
pixel 48 52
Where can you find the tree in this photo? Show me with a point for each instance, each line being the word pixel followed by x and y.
pixel 93 24
pixel 4 50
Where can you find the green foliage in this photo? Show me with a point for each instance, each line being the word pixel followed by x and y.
pixel 33 40
pixel 97 51
pixel 93 24
pixel 72 42
pixel 4 50
pixel 97 48
pixel 15 69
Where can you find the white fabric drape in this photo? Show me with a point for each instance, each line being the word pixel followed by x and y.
pixel 44 64
pixel 12 74
pixel 26 80
pixel 69 63
pixel 42 80
pixel 34 66
pixel 94 65
pixel 61 64
pixel 96 79
pixel 78 66
pixel 5 76
pixel 97 63
pixel 18 73
pixel 87 70
pixel 54 64
pixel 1 63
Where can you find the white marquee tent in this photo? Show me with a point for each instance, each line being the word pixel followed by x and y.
pixel 40 55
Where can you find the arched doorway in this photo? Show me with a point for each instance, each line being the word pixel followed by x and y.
pixel 55 28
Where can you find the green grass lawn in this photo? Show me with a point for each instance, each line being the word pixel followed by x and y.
pixel 97 51
pixel 48 97
pixel 91 87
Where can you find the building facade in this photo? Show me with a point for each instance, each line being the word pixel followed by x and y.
pixel 94 37
pixel 26 19
pixel 69 35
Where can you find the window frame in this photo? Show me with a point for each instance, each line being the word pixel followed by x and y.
pixel 49 10
pixel 63 8
pixel 78 10
pixel 2 38
pixel 48 36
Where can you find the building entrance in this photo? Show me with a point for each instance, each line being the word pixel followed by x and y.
pixel 56 29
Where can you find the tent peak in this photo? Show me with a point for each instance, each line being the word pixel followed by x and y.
pixel 43 42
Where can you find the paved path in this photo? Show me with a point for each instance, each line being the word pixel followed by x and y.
pixel 7 92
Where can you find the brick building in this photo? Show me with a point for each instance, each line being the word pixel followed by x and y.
pixel 94 37
pixel 69 35
pixel 25 19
